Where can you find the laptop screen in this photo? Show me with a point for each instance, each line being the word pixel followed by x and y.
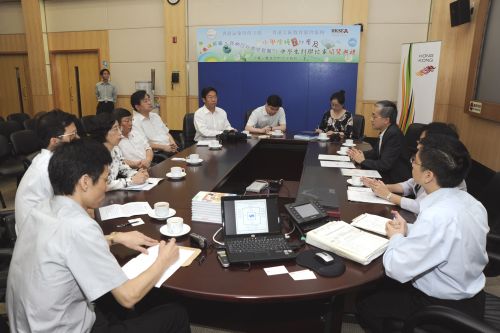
pixel 250 215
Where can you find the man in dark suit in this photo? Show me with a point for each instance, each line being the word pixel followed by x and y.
pixel 390 155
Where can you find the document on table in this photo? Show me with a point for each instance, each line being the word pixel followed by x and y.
pixel 142 262
pixel 276 270
pixel 370 222
pixel 335 164
pixel 364 194
pixel 305 274
pixel 339 158
pixel 203 142
pixel 360 173
pixel 126 210
pixel 149 184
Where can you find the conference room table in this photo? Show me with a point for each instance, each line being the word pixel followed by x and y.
pixel 230 170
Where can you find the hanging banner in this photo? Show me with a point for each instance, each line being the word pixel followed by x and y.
pixel 337 43
pixel 417 83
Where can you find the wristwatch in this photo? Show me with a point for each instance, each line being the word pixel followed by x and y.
pixel 111 237
pixel 388 197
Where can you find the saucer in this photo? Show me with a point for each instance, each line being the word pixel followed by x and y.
pixel 185 230
pixel 182 175
pixel 171 212
pixel 276 135
pixel 342 153
pixel 351 183
pixel 215 147
pixel 323 139
pixel 346 145
pixel 194 162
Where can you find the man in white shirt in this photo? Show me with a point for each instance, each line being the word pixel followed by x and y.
pixel 209 120
pixel 268 117
pixel 150 124
pixel 63 263
pixel 52 128
pixel 134 146
pixel 439 260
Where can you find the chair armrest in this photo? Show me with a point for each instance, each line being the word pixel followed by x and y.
pixel 442 316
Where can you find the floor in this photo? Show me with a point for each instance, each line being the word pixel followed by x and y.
pixel 8 188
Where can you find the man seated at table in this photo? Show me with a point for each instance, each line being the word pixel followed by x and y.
pixel 439 260
pixel 62 263
pixel 268 117
pixel 52 129
pixel 210 120
pixel 398 193
pixel 390 155
pixel 134 146
pixel 150 124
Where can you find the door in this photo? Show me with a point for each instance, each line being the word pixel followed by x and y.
pixel 15 94
pixel 74 77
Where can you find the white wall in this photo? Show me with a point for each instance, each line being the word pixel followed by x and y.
pixel 390 24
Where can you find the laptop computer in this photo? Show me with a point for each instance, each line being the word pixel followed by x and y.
pixel 252 230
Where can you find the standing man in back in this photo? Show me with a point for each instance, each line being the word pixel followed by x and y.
pixel 390 155
pixel 105 93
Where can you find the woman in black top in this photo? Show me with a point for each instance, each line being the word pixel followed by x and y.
pixel 337 119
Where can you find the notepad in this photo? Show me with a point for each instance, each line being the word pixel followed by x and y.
pixel 126 210
pixel 364 194
pixel 370 222
pixel 149 184
pixel 143 261
pixel 360 173
pixel 336 164
pixel 203 142
pixel 339 158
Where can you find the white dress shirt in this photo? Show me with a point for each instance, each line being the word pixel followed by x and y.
pixel 105 92
pixel 152 128
pixel 410 188
pixel 134 146
pixel 444 253
pixel 210 124
pixel 260 118
pixel 33 188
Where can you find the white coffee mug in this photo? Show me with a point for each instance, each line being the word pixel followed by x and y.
pixel 174 225
pixel 349 142
pixel 194 157
pixel 322 135
pixel 162 208
pixel 213 144
pixel 177 171
pixel 356 180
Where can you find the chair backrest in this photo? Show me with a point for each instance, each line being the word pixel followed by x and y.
pixel 188 129
pixel 19 117
pixel 8 127
pixel 1 118
pixel 80 128
pixel 25 142
pixel 412 135
pixel 489 198
pixel 478 178
pixel 30 124
pixel 5 147
pixel 358 126
pixel 86 122
pixel 247 115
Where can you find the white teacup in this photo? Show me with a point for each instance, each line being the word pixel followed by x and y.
pixel 277 132
pixel 356 180
pixel 344 149
pixel 323 136
pixel 176 171
pixel 214 144
pixel 194 158
pixel 174 225
pixel 349 142
pixel 162 208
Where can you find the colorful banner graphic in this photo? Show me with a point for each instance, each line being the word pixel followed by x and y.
pixel 337 43
pixel 417 82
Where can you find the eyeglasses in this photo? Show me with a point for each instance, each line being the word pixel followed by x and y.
pixel 71 135
pixel 413 160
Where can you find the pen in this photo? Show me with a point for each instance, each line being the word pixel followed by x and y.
pixel 125 224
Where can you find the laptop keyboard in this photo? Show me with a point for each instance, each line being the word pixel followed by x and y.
pixel 257 244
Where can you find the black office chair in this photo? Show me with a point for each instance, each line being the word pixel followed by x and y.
pixel 80 129
pixel 478 177
pixel 358 127
pixel 188 130
pixel 7 241
pixel 1 119
pixel 19 117
pixel 8 127
pixel 247 115
pixel 26 146
pixel 412 135
pixel 9 165
pixel 87 123
pixel 30 124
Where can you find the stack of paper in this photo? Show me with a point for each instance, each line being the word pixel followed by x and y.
pixel 370 222
pixel 360 173
pixel 203 142
pixel 142 262
pixel 336 164
pixel 149 184
pixel 339 158
pixel 126 210
pixel 347 241
pixel 364 194
pixel 206 206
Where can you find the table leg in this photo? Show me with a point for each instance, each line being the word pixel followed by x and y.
pixel 333 322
